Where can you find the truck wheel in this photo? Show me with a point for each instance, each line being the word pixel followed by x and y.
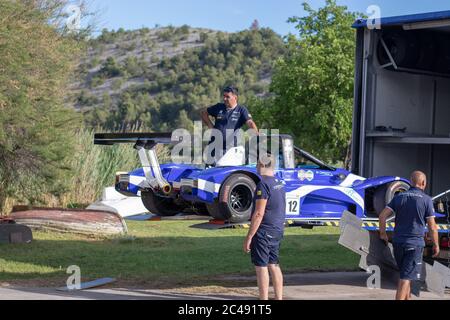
pixel 384 194
pixel 235 203
pixel 159 205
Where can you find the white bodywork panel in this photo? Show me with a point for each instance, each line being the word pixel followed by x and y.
pixel 114 201
pixel 233 157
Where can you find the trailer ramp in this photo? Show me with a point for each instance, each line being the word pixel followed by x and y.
pixel 375 252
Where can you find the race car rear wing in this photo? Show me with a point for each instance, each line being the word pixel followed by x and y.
pixel 136 138
pixel 145 144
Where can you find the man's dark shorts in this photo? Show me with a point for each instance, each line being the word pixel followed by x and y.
pixel 265 248
pixel 409 261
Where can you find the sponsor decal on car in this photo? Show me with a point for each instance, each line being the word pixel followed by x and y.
pixel 302 175
pixel 306 175
pixel 324 173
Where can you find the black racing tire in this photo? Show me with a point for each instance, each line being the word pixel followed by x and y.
pixel 384 194
pixel 158 205
pixel 235 202
pixel 214 211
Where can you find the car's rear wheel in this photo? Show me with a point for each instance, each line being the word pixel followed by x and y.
pixel 384 194
pixel 159 205
pixel 235 202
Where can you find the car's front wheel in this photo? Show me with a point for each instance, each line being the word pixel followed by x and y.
pixel 161 206
pixel 235 202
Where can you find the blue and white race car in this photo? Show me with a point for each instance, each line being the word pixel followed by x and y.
pixel 316 192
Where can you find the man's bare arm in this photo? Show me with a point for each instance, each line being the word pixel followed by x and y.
pixel 206 119
pixel 256 222
pixel 257 217
pixel 252 125
pixel 433 229
pixel 384 215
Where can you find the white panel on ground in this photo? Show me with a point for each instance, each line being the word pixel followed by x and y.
pixel 113 201
pixel 90 285
pixel 112 194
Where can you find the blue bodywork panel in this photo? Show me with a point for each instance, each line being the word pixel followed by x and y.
pixel 311 192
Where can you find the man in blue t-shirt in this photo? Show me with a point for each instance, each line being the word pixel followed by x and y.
pixel 267 229
pixel 413 211
pixel 229 116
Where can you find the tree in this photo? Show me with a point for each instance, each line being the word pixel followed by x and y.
pixel 36 130
pixel 184 121
pixel 110 68
pixel 313 82
pixel 132 67
pixel 190 80
pixel 184 30
pixel 127 113
pixel 203 37
pixel 255 25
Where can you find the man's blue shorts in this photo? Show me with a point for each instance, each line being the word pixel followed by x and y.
pixel 409 260
pixel 265 247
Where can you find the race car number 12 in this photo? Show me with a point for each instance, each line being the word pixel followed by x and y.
pixel 293 205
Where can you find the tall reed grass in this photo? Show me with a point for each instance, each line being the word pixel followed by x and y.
pixel 93 168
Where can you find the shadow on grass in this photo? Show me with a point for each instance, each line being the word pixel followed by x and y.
pixel 165 262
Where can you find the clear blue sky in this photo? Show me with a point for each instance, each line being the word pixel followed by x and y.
pixel 235 15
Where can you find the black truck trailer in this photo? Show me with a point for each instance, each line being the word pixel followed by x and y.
pixel 401 123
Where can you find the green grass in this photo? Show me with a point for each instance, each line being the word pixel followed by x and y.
pixel 166 252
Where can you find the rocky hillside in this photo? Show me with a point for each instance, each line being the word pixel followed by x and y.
pixel 158 79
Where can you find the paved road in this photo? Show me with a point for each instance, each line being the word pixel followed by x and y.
pixel 309 286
